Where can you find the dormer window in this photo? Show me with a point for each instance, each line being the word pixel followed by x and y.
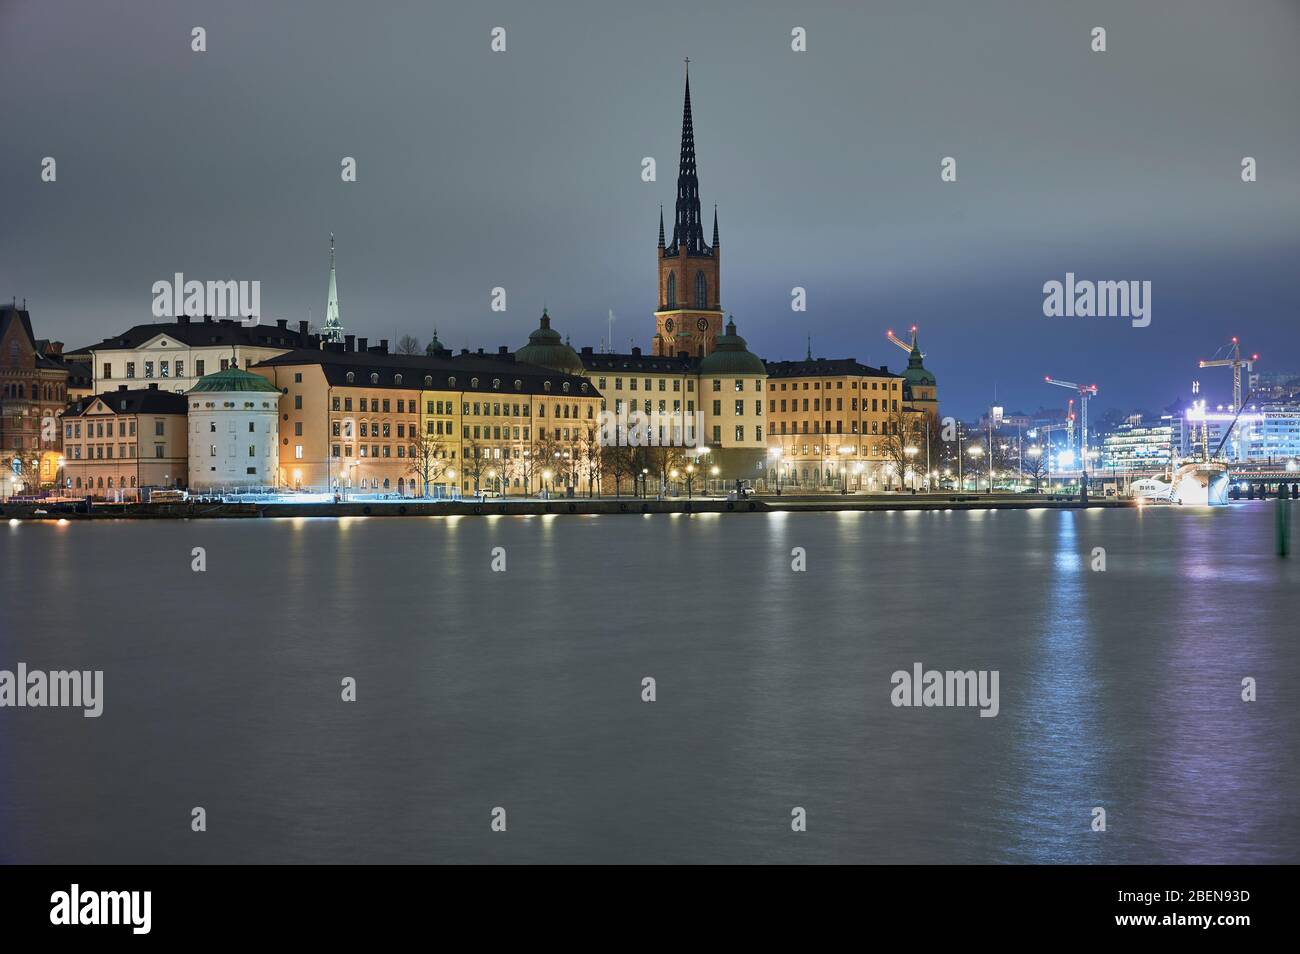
pixel 351 377
pixel 397 379
pixel 496 384
pixel 428 380
pixel 374 377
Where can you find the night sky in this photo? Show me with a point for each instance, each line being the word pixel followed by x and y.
pixel 522 169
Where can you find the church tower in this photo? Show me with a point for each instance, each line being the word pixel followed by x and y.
pixel 689 316
pixel 333 330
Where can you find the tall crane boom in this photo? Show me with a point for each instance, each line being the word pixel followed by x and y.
pixel 1235 361
pixel 894 339
pixel 1085 391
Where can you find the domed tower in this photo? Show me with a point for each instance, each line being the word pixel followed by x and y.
pixel 920 389
pixel 689 315
pixel 546 350
pixel 234 426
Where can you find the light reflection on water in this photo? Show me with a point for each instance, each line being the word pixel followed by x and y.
pixel 1119 689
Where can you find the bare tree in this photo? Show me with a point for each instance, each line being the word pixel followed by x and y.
pixel 904 430
pixel 428 459
pixel 617 462
pixel 475 462
pixel 408 344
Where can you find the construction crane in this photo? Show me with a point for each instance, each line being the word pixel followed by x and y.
pixel 1235 361
pixel 903 344
pixel 1085 391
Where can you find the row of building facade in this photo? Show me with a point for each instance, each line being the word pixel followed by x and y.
pixel 221 403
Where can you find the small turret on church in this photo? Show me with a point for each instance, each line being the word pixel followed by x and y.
pixel 689 314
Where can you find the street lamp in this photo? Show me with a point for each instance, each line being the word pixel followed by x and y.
pixel 976 452
pixel 690 477
pixel 645 483
pixel 1035 452
pixel 546 476
pixel 911 457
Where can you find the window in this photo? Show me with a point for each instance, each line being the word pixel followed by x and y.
pixel 672 291
pixel 165 366
pixel 297 451
pixel 198 368
pixel 297 402
pixel 157 450
pixel 717 408
pixel 252 428
pixel 252 450
pixel 148 369
pixel 130 369
pixel 717 385
pixel 158 428
pixel 701 290
pixel 108 367
pixel 740 409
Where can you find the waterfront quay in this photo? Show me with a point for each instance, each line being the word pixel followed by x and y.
pixel 577 506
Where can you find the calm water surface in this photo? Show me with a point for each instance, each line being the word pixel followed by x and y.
pixel 521 689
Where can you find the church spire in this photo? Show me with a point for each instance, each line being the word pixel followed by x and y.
pixel 333 330
pixel 716 243
pixel 661 226
pixel 688 232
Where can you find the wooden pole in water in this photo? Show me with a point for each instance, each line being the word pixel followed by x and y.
pixel 1283 506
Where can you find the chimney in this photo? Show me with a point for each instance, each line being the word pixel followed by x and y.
pixel 636 352
pixel 349 342
pixel 464 350
pixel 207 319
pixel 587 350
pixel 361 344
pixel 383 346
pixel 503 350
pixel 182 320
pixel 282 323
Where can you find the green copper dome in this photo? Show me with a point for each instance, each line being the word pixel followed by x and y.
pixel 917 375
pixel 232 379
pixel 546 350
pixel 730 356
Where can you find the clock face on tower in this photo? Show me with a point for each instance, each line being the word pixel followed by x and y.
pixel 702 324
pixel 668 325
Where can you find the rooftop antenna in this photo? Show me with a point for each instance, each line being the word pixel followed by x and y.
pixel 610 340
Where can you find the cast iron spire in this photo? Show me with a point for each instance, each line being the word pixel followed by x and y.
pixel 688 233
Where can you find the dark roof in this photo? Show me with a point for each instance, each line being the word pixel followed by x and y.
pixel 12 313
pixel 825 366
pixel 137 401
pixel 209 331
pixel 636 362
pixel 439 368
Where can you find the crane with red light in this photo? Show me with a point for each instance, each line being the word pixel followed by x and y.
pixel 1085 391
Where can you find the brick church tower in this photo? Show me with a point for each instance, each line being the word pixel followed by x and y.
pixel 689 316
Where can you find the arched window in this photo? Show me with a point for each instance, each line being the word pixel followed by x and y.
pixel 672 291
pixel 701 291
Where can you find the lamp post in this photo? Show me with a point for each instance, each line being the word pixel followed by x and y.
pixel 911 464
pixel 645 483
pixel 673 474
pixel 690 477
pixel 976 453
pixel 546 476
pixel 1035 452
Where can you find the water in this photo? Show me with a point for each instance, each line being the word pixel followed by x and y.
pixel 476 689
